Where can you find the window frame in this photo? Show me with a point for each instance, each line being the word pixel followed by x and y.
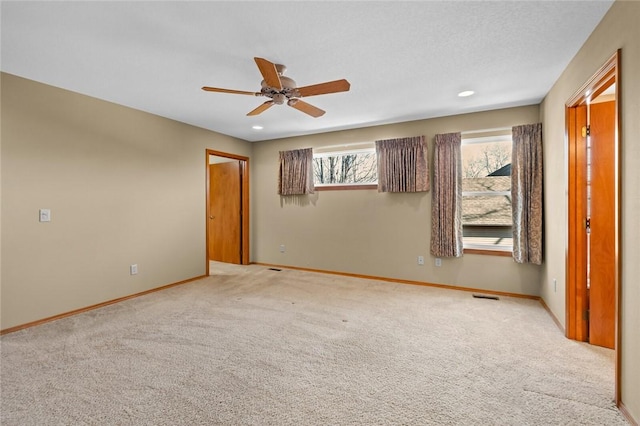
pixel 347 150
pixel 486 248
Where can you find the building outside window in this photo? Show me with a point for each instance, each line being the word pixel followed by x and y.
pixel 486 193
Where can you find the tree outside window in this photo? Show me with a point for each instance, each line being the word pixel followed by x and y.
pixel 345 168
pixel 486 193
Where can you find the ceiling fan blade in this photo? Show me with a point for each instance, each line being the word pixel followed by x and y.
pixel 269 73
pixel 263 107
pixel 237 92
pixel 305 107
pixel 324 88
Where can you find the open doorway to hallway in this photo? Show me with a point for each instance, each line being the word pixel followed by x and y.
pixel 227 208
pixel 593 203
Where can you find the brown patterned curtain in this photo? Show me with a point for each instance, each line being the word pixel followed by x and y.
pixel 296 172
pixel 402 165
pixel 526 193
pixel 446 201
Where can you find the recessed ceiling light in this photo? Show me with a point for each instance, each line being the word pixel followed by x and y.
pixel 256 127
pixel 466 93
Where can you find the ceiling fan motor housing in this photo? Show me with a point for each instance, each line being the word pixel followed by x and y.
pixel 279 96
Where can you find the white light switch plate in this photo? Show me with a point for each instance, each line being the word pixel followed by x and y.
pixel 45 215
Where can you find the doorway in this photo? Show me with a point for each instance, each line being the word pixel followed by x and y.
pixel 227 208
pixel 593 194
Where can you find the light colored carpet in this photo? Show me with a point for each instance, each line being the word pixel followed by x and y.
pixel 251 346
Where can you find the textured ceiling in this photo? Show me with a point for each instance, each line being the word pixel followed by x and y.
pixel 404 60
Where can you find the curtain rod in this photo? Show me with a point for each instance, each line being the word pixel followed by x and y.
pixel 497 129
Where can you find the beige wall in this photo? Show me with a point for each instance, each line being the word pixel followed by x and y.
pixel 123 187
pixel 370 233
pixel 618 29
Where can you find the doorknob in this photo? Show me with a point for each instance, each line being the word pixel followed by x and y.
pixel 212 217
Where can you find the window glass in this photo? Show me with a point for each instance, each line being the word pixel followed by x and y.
pixel 486 193
pixel 356 167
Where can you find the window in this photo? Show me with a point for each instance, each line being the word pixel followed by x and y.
pixel 354 167
pixel 486 193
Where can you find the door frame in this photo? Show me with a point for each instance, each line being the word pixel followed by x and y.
pixel 576 294
pixel 244 201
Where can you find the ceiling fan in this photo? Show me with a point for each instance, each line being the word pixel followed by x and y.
pixel 280 89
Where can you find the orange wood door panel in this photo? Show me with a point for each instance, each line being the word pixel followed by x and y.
pixel 224 212
pixel 602 259
pixel 577 327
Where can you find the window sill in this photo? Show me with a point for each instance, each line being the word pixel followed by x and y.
pixel 345 187
pixel 503 253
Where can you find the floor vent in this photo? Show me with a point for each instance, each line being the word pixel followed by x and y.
pixel 275 269
pixel 484 296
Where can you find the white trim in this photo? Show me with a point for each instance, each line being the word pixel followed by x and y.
pixel 324 185
pixel 489 247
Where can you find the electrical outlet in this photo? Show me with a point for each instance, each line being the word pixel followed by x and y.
pixel 420 260
pixel 133 269
pixel 438 261
pixel 281 248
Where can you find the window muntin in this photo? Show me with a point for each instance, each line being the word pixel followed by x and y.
pixel 343 168
pixel 486 193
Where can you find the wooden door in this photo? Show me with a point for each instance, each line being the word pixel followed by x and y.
pixel 607 76
pixel 225 231
pixel 577 292
pixel 602 259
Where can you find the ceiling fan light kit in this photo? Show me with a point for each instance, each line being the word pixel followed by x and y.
pixel 281 89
